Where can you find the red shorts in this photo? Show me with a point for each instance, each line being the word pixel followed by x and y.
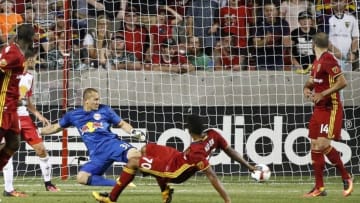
pixel 159 161
pixel 29 131
pixel 10 122
pixel 326 123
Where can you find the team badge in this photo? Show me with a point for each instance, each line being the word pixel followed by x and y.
pixel 335 69
pixel 347 24
pixel 97 116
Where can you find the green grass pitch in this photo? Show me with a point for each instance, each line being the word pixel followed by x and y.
pixel 196 190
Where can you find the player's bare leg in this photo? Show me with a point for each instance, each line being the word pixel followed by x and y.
pixel 12 144
pixel 45 166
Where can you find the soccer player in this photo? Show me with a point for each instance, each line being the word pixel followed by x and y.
pixel 29 133
pixel 171 166
pixel 12 62
pixel 93 121
pixel 322 88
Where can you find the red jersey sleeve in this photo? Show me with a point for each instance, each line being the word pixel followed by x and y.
pixel 332 66
pixel 219 139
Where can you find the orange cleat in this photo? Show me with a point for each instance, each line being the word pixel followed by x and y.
pixel 14 193
pixel 167 194
pixel 348 186
pixel 316 192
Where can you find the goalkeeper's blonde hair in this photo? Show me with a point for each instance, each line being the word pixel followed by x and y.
pixel 87 92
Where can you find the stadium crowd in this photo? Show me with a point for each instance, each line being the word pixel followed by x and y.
pixel 182 36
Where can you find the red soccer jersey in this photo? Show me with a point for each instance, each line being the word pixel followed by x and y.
pixel 135 40
pixel 323 73
pixel 11 68
pixel 234 21
pixel 199 152
pixel 167 162
pixel 160 33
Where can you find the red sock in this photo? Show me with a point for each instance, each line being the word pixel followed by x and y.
pixel 125 178
pixel 4 158
pixel 318 162
pixel 333 155
pixel 162 183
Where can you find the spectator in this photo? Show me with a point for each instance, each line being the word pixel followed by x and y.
pixel 95 43
pixel 43 15
pixel 203 22
pixel 163 28
pixel 118 58
pixel 272 36
pixel 41 41
pixel 98 8
pixel 169 59
pixel 55 57
pixel 343 35
pixel 179 30
pixel 226 55
pixel 324 10
pixel 8 20
pixel 136 36
pixel 196 55
pixel 290 9
pixel 235 19
pixel 302 50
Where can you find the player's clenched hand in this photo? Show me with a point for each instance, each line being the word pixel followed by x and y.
pixel 138 134
pixel 316 97
pixel 307 93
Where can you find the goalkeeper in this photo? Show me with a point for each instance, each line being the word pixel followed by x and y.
pixel 168 165
pixel 93 121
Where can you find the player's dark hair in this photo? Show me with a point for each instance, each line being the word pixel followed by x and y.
pixel 321 40
pixel 24 36
pixel 25 32
pixel 195 124
pixel 87 92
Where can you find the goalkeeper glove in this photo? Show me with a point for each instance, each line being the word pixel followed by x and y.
pixel 138 134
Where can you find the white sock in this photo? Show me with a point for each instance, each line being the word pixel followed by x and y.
pixel 45 167
pixel 8 173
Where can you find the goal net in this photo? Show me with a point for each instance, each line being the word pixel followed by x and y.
pixel 252 93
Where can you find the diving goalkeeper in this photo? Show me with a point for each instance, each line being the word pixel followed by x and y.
pixel 93 121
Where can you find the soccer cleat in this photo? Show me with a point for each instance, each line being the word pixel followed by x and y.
pixel 102 197
pixel 14 193
pixel 348 186
pixel 316 192
pixel 167 194
pixel 51 187
pixel 131 184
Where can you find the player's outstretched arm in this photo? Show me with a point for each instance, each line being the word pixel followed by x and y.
pixel 133 132
pixel 233 154
pixel 50 129
pixel 31 107
pixel 216 183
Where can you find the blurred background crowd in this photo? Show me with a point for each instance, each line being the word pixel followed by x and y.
pixel 181 36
